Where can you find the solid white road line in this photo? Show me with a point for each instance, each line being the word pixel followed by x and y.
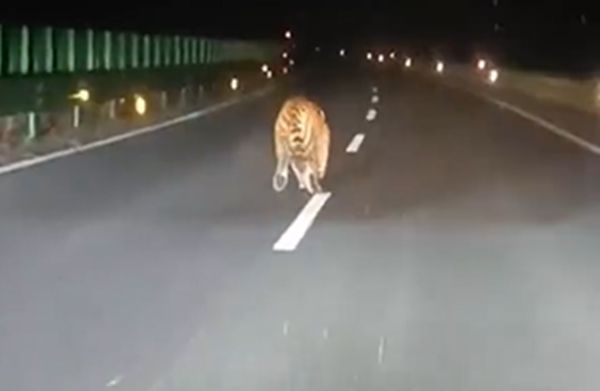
pixel 371 115
pixel 564 133
pixel 133 133
pixel 375 99
pixel 356 142
pixel 290 239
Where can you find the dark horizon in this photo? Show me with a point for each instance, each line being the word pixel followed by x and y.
pixel 553 33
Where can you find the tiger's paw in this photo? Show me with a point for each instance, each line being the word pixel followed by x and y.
pixel 279 182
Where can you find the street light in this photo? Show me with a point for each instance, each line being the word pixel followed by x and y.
pixel 393 55
pixel 481 64
pixel 269 74
pixel 408 62
pixel 288 34
pixel 493 76
pixel 264 68
pixel 381 58
pixel 342 52
pixel 369 56
pixel 285 55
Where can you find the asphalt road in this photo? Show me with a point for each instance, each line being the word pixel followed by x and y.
pixel 458 252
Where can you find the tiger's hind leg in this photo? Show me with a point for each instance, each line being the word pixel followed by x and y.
pixel 281 176
pixel 315 183
pixel 315 176
pixel 322 152
pixel 311 180
pixel 299 177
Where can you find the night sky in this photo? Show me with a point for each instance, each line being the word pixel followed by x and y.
pixel 544 29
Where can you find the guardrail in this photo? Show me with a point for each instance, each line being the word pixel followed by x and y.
pixel 61 86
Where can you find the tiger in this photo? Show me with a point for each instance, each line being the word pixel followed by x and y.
pixel 301 138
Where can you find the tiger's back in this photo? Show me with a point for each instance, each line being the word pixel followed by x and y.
pixel 301 141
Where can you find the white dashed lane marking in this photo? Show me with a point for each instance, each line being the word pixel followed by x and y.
pixel 371 115
pixel 114 382
pixel 290 239
pixel 356 142
pixel 381 350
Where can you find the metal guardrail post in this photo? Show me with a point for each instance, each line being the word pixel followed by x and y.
pixel 31 126
pixel 89 50
pixel 76 116
pixel 183 97
pixel 146 61
pixel 1 50
pixel 107 54
pixel 112 109
pixel 121 51
pixel 24 61
pixel 71 50
pixel 157 53
pixel 164 100
pixel 200 91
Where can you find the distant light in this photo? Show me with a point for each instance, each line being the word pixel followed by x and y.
pixel 269 74
pixel 317 49
pixel 342 52
pixel 493 76
pixel 264 68
pixel 408 62
pixel 393 55
pixel 285 55
pixel 381 58
pixel 82 95
pixel 288 34
pixel 369 56
pixel 292 62
pixel 234 84
pixel 140 105
pixel 481 64
pixel 285 70
pixel 439 67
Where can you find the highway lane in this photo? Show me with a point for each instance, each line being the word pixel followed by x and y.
pixel 111 259
pixel 457 252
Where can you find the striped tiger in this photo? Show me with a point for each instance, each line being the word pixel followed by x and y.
pixel 301 142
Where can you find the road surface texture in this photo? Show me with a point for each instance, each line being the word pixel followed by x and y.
pixel 458 251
